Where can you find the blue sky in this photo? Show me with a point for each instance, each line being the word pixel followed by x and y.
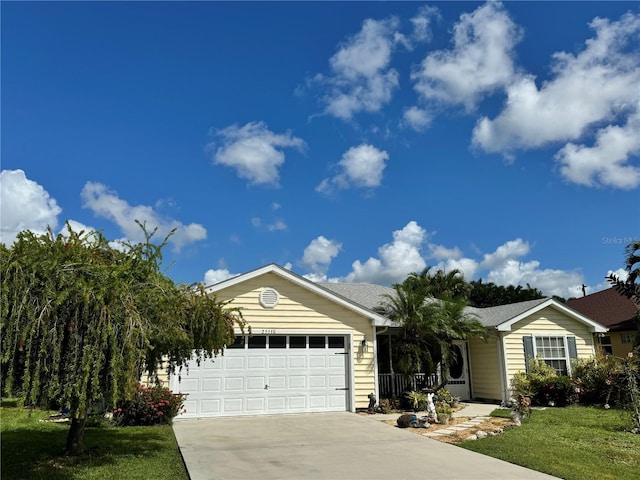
pixel 347 141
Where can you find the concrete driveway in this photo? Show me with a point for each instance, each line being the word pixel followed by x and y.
pixel 326 446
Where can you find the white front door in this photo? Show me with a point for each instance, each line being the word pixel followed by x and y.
pixel 269 374
pixel 458 383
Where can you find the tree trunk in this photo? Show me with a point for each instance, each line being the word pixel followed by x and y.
pixel 75 437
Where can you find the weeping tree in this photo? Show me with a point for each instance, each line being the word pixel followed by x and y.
pixel 81 321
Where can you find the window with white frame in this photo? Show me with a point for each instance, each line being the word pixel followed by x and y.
pixel 626 338
pixel 605 344
pixel 553 350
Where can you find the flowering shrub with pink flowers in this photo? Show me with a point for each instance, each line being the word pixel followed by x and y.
pixel 149 406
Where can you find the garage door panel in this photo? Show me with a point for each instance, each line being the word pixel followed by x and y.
pixel 256 383
pixel 258 362
pixel 259 380
pixel 297 381
pixel 297 361
pixel 297 403
pixel 279 361
pixel 256 405
pixel 189 384
pixel 317 381
pixel 233 405
pixel 211 385
pixel 318 361
pixel 318 401
pixel 276 404
pixel 234 363
pixel 210 406
pixel 234 384
pixel 277 382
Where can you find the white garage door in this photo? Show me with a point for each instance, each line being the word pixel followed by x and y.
pixel 269 374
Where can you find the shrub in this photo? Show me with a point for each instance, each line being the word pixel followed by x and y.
pixel 598 380
pixel 149 406
pixel 559 391
pixel 443 395
pixel 419 401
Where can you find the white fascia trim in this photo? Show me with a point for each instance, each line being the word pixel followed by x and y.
pixel 593 326
pixel 506 384
pixel 378 320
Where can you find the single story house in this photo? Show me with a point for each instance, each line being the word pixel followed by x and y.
pixel 616 312
pixel 314 348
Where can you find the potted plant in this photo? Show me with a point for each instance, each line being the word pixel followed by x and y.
pixel 443 410
pixel 418 401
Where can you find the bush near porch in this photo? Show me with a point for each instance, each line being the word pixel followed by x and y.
pixel 573 443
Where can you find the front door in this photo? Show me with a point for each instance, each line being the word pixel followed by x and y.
pixel 458 383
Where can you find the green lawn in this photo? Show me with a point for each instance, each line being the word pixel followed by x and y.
pixel 31 450
pixel 571 443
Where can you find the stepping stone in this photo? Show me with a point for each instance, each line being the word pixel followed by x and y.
pixel 446 431
pixel 458 428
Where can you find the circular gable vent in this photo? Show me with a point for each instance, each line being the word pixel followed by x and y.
pixel 269 297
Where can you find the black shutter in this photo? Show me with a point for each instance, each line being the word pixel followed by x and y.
pixel 528 351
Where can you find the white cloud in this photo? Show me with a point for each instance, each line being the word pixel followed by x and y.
pixel 360 166
pixel 422 23
pixel 25 205
pixel 440 252
pixel 361 78
pixel 480 61
pixel 549 281
pixel 598 85
pixel 107 204
pixel 606 163
pixel 254 151
pixel 416 118
pixel 212 276
pixel 318 255
pixel 397 259
pixel 277 225
pixel 509 250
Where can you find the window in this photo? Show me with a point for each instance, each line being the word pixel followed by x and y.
pixel 626 338
pixel 553 351
pixel 605 344
pixel 239 343
pixel 336 342
pixel 316 342
pixel 258 342
pixel 278 341
pixel 297 342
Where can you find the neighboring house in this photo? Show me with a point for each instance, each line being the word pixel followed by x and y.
pixel 616 312
pixel 314 348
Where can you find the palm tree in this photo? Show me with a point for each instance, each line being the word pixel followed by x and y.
pixel 428 328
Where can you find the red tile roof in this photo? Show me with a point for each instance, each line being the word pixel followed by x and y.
pixel 607 307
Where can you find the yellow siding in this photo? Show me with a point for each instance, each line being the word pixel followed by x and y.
pixel 304 310
pixel 484 358
pixel 547 321
pixel 621 349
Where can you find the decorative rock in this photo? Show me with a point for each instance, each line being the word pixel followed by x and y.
pixel 498 431
pixel 480 434
pixel 471 437
pixel 405 420
pixel 492 434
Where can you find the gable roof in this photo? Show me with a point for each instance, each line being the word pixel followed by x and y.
pixel 363 298
pixel 503 317
pixel 607 307
pixel 377 319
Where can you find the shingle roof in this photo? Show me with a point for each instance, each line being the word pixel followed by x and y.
pixel 370 296
pixel 366 294
pixel 494 316
pixel 607 307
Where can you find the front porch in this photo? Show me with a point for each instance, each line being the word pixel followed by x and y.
pixel 391 385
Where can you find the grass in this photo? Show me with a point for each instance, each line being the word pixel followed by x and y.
pixel 31 449
pixel 573 443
